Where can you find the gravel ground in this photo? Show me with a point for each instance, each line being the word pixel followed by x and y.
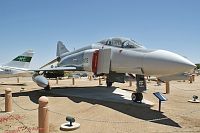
pixel 100 116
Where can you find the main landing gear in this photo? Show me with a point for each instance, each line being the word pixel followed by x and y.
pixel 141 87
pixel 109 84
pixel 47 88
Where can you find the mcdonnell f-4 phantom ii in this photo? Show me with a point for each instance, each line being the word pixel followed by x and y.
pixel 18 66
pixel 115 57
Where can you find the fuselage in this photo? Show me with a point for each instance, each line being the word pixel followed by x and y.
pixel 114 57
pixel 129 59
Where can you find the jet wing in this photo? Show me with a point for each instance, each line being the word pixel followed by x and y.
pixel 49 63
pixel 56 69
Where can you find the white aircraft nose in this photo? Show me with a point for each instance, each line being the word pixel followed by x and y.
pixel 161 62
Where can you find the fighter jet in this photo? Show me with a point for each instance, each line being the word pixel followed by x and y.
pixel 18 66
pixel 114 57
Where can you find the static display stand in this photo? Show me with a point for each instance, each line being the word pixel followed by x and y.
pixel 161 98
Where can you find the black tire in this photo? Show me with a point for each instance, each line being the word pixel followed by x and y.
pixel 137 97
pixel 47 88
pixel 109 84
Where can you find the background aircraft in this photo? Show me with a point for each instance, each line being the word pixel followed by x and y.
pixel 114 57
pixel 18 67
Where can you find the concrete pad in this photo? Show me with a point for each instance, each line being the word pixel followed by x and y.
pixel 102 94
pixel 192 101
pixel 127 95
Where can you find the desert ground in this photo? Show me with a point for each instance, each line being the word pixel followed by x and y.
pixel 98 109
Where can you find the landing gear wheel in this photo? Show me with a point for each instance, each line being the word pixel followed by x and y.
pixel 137 97
pixel 47 88
pixel 109 84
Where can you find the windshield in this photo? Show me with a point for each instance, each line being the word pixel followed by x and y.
pixel 121 43
pixel 130 44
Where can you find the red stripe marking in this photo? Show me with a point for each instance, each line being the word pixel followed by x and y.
pixel 95 61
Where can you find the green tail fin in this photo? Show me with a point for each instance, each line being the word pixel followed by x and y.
pixel 21 61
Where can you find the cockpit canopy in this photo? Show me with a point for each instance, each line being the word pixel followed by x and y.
pixel 121 43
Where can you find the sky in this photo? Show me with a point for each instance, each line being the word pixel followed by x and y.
pixel 172 25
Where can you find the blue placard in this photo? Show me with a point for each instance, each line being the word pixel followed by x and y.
pixel 160 96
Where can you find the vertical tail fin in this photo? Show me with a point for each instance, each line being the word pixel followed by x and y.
pixel 21 61
pixel 61 49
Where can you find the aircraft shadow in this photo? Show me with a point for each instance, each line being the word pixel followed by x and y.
pixel 85 94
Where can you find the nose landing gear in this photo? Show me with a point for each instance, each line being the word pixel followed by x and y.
pixel 137 97
pixel 141 87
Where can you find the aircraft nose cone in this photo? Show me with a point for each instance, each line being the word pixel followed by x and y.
pixel 166 63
